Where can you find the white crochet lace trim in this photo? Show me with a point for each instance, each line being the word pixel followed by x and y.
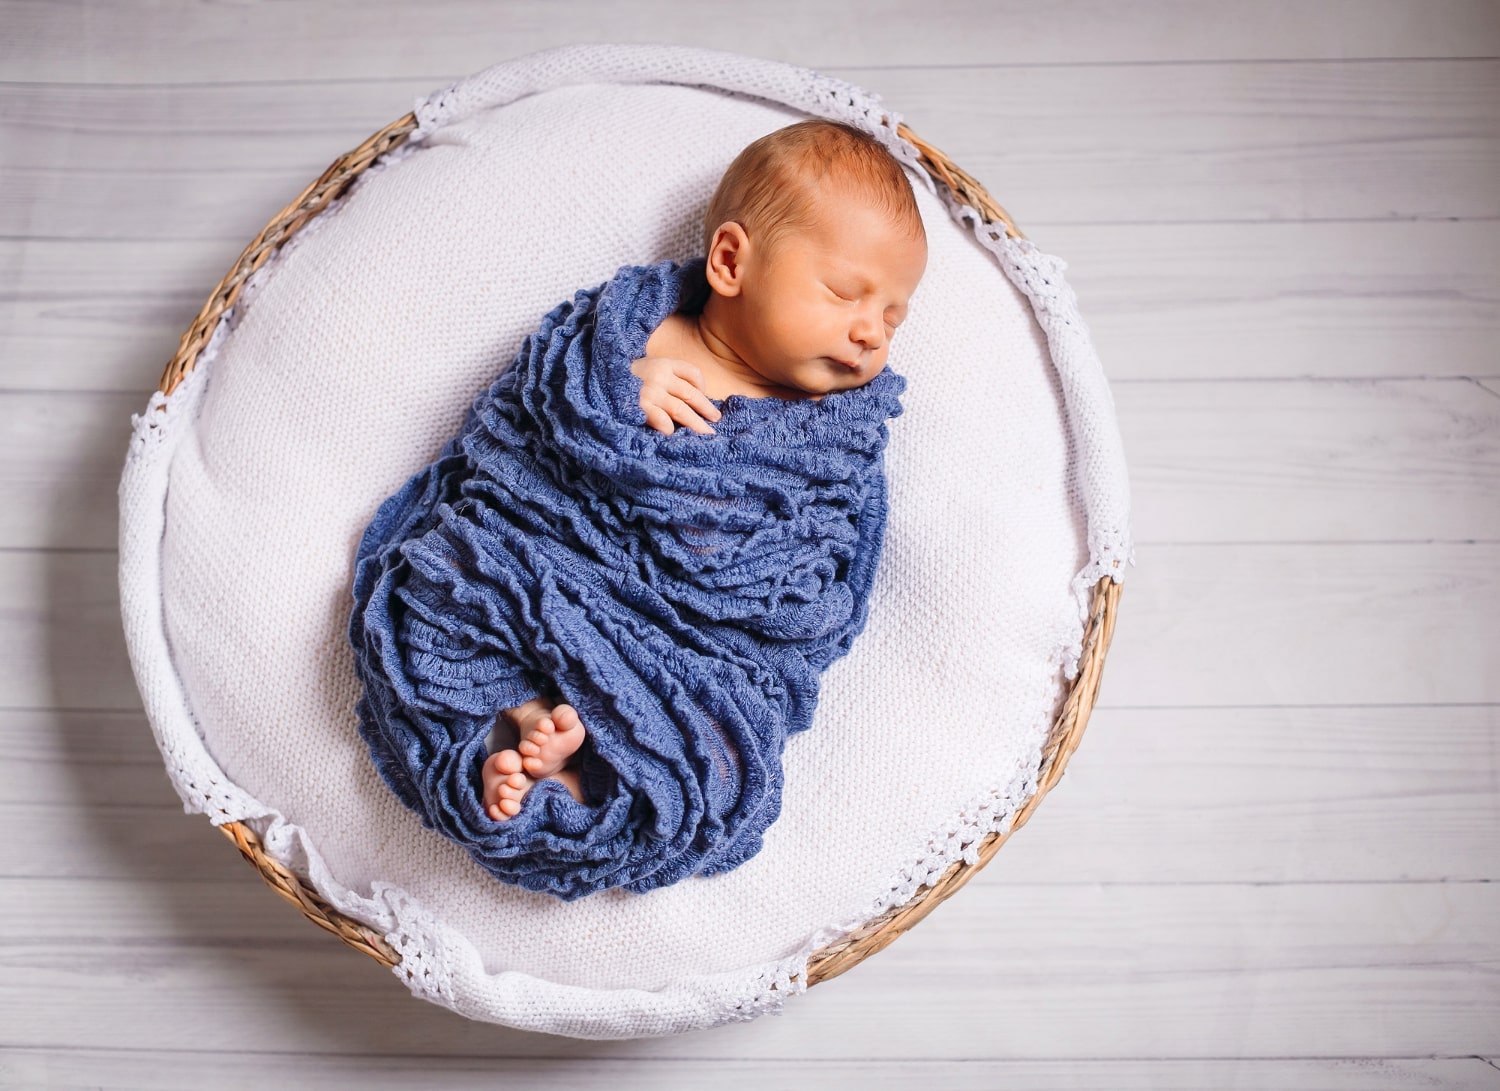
pixel 416 936
pixel 199 781
pixel 432 954
pixel 769 992
pixel 151 427
pixel 404 922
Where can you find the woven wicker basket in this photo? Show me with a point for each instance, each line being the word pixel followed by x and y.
pixel 874 935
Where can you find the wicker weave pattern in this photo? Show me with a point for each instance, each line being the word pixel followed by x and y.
pixel 874 935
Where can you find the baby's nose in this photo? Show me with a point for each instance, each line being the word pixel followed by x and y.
pixel 868 330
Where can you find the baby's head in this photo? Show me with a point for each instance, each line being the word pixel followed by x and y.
pixel 814 246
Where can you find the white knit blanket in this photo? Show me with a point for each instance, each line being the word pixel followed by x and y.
pixel 352 355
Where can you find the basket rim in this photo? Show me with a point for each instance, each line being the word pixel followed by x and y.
pixel 875 934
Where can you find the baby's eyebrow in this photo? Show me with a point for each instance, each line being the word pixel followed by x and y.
pixel 848 278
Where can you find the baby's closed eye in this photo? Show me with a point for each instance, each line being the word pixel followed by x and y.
pixel 893 316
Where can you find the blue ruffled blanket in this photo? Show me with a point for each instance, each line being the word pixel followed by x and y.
pixel 683 592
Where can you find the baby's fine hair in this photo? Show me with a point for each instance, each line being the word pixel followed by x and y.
pixel 766 189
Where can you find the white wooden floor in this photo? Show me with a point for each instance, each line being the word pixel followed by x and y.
pixel 1273 861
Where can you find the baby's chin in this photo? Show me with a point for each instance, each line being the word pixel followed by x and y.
pixel 844 381
pixel 818 379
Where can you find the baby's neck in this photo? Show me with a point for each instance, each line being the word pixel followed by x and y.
pixel 709 331
pixel 730 363
pixel 725 372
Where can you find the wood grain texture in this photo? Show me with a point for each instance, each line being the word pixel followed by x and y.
pixel 138 42
pixel 1090 971
pixel 1272 795
pixel 1326 624
pixel 61 1069
pixel 1261 462
pixel 1288 300
pixel 1250 142
pixel 62 645
pixel 1256 142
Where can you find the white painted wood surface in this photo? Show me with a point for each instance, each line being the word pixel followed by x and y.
pixel 1273 861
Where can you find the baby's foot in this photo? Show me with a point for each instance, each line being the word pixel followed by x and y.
pixel 549 738
pixel 504 784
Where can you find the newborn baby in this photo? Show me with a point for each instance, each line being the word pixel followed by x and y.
pixel 814 247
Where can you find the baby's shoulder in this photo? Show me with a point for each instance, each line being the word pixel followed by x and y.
pixel 674 337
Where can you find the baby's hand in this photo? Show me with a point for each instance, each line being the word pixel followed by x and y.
pixel 673 390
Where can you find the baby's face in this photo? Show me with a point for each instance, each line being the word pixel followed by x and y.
pixel 821 306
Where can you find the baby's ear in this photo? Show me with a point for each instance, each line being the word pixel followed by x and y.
pixel 725 263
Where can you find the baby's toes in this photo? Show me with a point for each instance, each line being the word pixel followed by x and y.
pixel 494 770
pixel 566 718
pixel 541 764
pixel 540 735
pixel 511 790
pixel 491 768
pixel 499 769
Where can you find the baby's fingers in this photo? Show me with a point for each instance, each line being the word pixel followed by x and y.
pixel 658 418
pixel 694 397
pixel 683 413
pixel 691 372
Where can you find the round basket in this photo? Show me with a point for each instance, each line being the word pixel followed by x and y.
pixel 1067 726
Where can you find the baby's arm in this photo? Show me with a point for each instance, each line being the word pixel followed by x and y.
pixel 673 390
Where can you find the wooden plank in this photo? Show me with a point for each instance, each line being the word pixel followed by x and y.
pixel 1200 625
pixel 68 839
pixel 129 42
pixel 92 759
pixel 1280 795
pixel 62 645
pixel 93 315
pixel 1264 301
pixel 998 972
pixel 1310 624
pixel 1251 142
pixel 82 126
pixel 163 1070
pixel 1311 461
pixel 144 913
pixel 1209 462
pixel 61 456
pixel 1269 795
pixel 1255 142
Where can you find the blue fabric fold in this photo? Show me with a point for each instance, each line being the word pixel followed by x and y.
pixel 684 592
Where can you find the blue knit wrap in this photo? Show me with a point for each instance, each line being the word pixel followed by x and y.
pixel 683 592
